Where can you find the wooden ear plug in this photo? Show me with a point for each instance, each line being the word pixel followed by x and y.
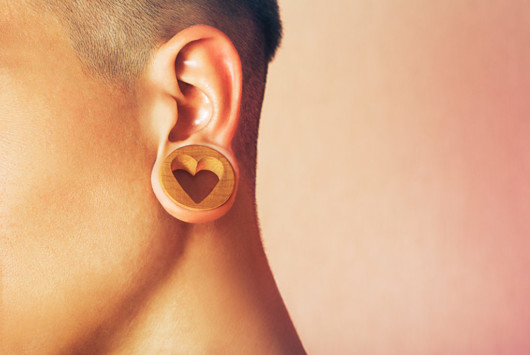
pixel 197 177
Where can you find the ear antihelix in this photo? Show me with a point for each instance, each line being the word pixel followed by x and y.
pixel 211 65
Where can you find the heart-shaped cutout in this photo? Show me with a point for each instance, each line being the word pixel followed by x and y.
pixel 195 187
pixel 199 185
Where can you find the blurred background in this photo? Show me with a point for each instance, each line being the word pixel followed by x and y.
pixel 393 175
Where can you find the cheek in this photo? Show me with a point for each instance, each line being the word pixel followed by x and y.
pixel 44 150
pixel 78 219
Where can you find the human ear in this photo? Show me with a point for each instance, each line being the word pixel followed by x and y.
pixel 195 88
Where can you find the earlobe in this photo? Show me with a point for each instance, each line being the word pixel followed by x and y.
pixel 184 191
pixel 186 164
pixel 198 79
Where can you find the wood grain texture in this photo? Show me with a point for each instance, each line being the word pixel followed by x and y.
pixel 195 158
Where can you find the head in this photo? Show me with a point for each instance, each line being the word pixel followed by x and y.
pixel 93 95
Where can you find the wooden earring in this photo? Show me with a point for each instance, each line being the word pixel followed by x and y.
pixel 185 165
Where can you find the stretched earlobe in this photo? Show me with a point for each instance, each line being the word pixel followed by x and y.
pixel 196 183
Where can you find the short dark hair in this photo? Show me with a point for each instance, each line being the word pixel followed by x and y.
pixel 114 39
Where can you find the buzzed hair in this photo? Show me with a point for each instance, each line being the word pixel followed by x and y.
pixel 114 39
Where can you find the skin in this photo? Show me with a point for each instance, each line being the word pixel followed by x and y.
pixel 91 261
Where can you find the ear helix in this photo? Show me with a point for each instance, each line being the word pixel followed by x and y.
pixel 183 167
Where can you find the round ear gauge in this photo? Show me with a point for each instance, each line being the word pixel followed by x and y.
pixel 185 165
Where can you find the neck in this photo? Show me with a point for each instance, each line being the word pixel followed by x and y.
pixel 220 296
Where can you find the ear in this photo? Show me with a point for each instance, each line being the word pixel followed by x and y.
pixel 193 83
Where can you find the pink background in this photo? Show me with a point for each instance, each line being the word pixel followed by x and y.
pixel 393 178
